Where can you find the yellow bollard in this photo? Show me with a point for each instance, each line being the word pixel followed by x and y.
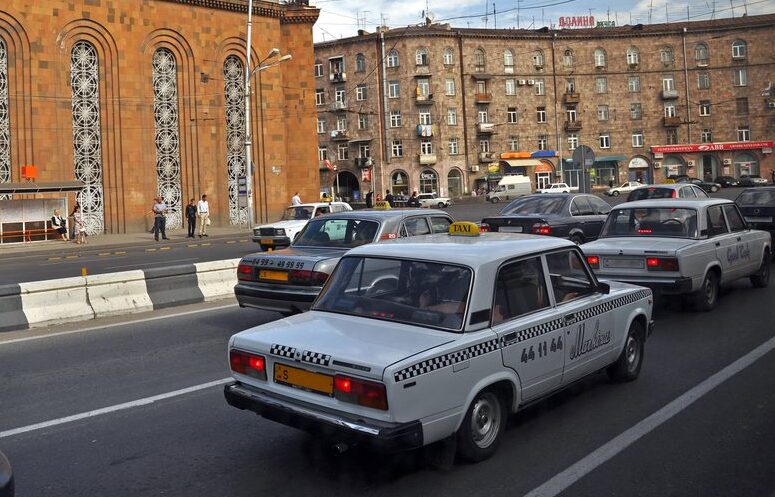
pixel 83 272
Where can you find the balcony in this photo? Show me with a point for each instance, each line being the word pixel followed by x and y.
pixel 671 122
pixel 427 159
pixel 424 99
pixel 426 130
pixel 363 162
pixel 486 128
pixel 571 98
pixel 422 70
pixel 487 156
pixel 483 98
pixel 338 105
pixel 669 94
pixel 340 135
pixel 572 125
pixel 337 77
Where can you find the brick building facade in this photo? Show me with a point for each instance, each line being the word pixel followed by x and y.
pixel 435 108
pixel 139 97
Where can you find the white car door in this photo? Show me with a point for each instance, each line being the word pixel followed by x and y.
pixel 743 253
pixel 528 327
pixel 723 241
pixel 588 320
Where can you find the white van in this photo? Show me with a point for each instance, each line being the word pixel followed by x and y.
pixel 510 187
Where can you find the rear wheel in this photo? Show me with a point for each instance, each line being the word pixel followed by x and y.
pixel 577 239
pixel 627 366
pixel 482 429
pixel 761 278
pixel 615 193
pixel 713 189
pixel 440 205
pixel 494 200
pixel 707 296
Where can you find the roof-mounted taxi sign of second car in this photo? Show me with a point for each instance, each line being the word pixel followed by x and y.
pixel 419 339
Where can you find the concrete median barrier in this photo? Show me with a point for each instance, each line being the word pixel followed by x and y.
pixel 216 279
pixel 55 301
pixel 118 293
pixel 174 285
pixel 12 315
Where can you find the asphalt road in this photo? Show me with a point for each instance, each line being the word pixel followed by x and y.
pixel 193 444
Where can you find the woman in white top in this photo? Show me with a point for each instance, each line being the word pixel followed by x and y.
pixel 59 224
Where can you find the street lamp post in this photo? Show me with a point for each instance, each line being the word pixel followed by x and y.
pixel 262 65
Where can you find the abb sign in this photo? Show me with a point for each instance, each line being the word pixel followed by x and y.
pixel 710 147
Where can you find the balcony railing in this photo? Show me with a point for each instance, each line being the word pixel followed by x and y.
pixel 422 70
pixel 571 98
pixel 339 135
pixel 572 125
pixel 671 121
pixel 485 127
pixel 669 94
pixel 427 159
pixel 337 77
pixel 426 130
pixel 486 156
pixel 483 98
pixel 424 99
pixel 338 105
pixel 363 162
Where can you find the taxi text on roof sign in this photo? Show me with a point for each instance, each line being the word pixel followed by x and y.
pixel 463 229
pixel 382 204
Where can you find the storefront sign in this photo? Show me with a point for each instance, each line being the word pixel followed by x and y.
pixel 606 24
pixel 429 176
pixel 638 163
pixel 710 147
pixel 494 167
pixel 577 22
pixel 366 174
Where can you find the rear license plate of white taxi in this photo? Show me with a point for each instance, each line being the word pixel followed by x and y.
pixel 301 378
pixel 617 263
pixel 510 229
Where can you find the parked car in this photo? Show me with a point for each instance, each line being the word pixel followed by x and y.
pixel 726 181
pixel 625 187
pixel 758 207
pixel 575 216
pixel 672 190
pixel 279 234
pixel 6 477
pixel 705 185
pixel 510 187
pixel 433 200
pixel 749 180
pixel 677 177
pixel 684 247
pixel 417 340
pixel 287 281
pixel 555 188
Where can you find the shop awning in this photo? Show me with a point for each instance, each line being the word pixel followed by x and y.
pixel 522 162
pixel 28 187
pixel 611 158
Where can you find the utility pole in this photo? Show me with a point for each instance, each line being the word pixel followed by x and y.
pixel 494 15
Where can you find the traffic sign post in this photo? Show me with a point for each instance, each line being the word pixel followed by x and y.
pixel 242 193
pixel 583 159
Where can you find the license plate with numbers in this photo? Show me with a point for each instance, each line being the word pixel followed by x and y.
pixel 306 380
pixel 617 263
pixel 510 229
pixel 268 274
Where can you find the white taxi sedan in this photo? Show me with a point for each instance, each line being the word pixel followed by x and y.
pixel 681 247
pixel 625 187
pixel 413 341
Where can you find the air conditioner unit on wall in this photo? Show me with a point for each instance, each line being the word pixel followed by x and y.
pixel 657 165
pixel 521 82
pixel 474 169
pixel 531 82
pixel 771 105
pixel 727 162
pixel 690 163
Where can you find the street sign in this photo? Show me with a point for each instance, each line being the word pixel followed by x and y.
pixel 242 192
pixel 584 158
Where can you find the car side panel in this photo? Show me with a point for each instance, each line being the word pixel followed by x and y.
pixel 695 260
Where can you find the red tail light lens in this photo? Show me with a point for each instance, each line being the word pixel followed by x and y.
pixel 593 261
pixel 244 272
pixel 484 228
pixel 662 264
pixel 541 229
pixel 247 364
pixel 361 392
pixel 304 277
pixel 674 194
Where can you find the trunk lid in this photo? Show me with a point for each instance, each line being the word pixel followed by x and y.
pixel 515 224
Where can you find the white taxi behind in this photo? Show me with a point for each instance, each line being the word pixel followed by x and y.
pixel 401 351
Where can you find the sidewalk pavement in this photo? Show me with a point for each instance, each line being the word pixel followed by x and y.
pixel 119 241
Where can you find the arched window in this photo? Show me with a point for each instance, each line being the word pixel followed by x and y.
pixel 87 149
pixel 480 61
pixel 449 57
pixel 633 56
pixel 429 181
pixel 234 93
pixel 739 49
pixel 455 183
pixel 399 183
pixel 421 57
pixel 599 57
pixel 701 54
pixel 567 58
pixel 538 59
pixel 5 125
pixel 360 63
pixel 666 55
pixel 165 114
pixel 508 61
pixel 392 58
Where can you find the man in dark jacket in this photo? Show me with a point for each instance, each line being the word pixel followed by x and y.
pixel 389 197
pixel 191 217
pixel 370 199
pixel 414 200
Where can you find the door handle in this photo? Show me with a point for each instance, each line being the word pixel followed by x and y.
pixel 718 244
pixel 570 318
pixel 739 238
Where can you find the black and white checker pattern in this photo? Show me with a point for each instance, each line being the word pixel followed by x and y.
pixel 315 358
pixel 534 331
pixel 445 360
pixel 283 351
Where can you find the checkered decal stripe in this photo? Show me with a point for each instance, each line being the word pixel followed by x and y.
pixel 446 360
pixel 282 351
pixel 315 358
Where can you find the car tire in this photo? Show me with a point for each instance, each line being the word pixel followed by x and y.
pixel 482 430
pixel 713 189
pixel 628 364
pixel 577 239
pixel 440 205
pixel 707 297
pixel 614 193
pixel 494 200
pixel 761 278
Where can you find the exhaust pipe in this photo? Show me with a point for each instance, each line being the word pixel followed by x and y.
pixel 339 448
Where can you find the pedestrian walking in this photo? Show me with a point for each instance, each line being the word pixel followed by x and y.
pixel 80 226
pixel 370 199
pixel 203 213
pixel 296 199
pixel 191 217
pixel 160 219
pixel 59 224
pixel 414 200
pixel 389 198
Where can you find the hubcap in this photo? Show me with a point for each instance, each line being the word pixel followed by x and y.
pixel 710 290
pixel 485 420
pixel 632 353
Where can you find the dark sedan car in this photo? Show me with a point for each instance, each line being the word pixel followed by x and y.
pixel 749 180
pixel 758 207
pixel 726 181
pixel 708 186
pixel 6 477
pixel 576 216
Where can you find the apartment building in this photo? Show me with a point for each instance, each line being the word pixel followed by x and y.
pixel 442 109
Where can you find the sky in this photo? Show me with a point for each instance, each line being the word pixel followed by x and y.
pixel 343 18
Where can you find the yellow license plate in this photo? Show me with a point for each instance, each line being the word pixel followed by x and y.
pixel 300 378
pixel 267 274
pixel 266 241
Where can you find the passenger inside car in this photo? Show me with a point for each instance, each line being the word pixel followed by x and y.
pixel 520 289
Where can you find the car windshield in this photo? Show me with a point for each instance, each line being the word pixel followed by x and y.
pixel 298 212
pixel 651 221
pixel 651 192
pixel 761 197
pixel 338 233
pixel 420 293
pixel 534 205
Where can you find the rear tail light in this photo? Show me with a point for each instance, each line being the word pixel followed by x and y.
pixel 593 261
pixel 484 228
pixel 388 236
pixel 674 194
pixel 304 277
pixel 541 229
pixel 245 272
pixel 361 392
pixel 248 364
pixel 662 264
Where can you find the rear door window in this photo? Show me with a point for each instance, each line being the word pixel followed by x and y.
pixel 716 223
pixel 734 218
pixel 599 206
pixel 570 279
pixel 440 224
pixel 417 226
pixel 580 207
pixel 700 193
pixel 687 192
pixel 520 288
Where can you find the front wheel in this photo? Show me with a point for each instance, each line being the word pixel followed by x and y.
pixel 440 205
pixel 707 296
pixel 713 189
pixel 494 200
pixel 482 429
pixel 577 239
pixel 761 278
pixel 615 193
pixel 627 366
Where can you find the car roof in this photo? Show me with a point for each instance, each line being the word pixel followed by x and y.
pixel 318 204
pixel 666 202
pixel 380 214
pixel 669 186
pixel 470 251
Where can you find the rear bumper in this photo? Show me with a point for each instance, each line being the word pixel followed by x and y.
pixel 665 286
pixel 276 300
pixel 391 437
pixel 276 241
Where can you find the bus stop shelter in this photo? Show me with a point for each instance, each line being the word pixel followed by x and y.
pixel 26 209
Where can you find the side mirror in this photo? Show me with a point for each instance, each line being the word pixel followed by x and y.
pixel 603 288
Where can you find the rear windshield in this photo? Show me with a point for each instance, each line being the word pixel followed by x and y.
pixel 761 197
pixel 419 293
pixel 652 221
pixel 297 213
pixel 651 192
pixel 337 233
pixel 535 205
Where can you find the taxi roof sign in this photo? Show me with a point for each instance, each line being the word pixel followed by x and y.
pixel 463 228
pixel 382 205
